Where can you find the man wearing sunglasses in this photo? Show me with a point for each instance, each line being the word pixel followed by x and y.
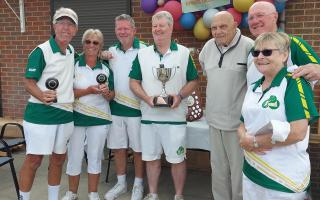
pixel 223 59
pixel 262 18
pixel 48 124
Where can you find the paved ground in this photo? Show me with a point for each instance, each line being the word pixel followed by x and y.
pixel 197 185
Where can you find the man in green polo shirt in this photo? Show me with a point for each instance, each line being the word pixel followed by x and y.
pixel 163 128
pixel 262 18
pixel 48 119
pixel 125 110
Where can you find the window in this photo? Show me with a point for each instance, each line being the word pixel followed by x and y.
pixel 94 14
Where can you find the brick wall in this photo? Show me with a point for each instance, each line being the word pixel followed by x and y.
pixel 14 48
pixel 302 19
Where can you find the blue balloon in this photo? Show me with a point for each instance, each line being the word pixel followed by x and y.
pixel 280 6
pixel 244 21
pixel 187 20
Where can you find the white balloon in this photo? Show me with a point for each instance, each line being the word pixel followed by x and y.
pixel 161 2
pixel 208 15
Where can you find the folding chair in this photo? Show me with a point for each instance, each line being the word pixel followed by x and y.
pixel 109 162
pixel 12 142
pixel 9 160
pixel 110 156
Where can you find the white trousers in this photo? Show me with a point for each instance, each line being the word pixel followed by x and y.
pixel 93 137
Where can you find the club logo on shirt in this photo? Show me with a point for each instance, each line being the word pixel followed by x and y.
pixel 180 150
pixel 32 69
pixel 272 103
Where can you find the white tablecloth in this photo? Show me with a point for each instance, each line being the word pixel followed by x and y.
pixel 198 135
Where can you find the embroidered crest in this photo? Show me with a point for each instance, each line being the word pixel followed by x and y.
pixel 272 103
pixel 180 151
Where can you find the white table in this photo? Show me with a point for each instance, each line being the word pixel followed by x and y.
pixel 198 135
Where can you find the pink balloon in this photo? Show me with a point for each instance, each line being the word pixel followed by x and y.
pixel 177 26
pixel 236 15
pixel 270 1
pixel 159 9
pixel 174 8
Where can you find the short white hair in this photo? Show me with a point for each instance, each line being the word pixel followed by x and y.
pixel 163 14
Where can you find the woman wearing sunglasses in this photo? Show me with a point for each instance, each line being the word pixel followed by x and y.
pixel 92 115
pixel 276 114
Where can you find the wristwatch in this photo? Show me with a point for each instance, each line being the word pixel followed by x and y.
pixel 180 95
pixel 255 143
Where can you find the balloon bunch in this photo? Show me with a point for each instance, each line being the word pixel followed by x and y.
pixel 200 21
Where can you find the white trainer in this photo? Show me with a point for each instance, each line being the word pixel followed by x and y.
pixel 137 192
pixel 178 197
pixel 70 196
pixel 150 197
pixel 93 196
pixel 116 191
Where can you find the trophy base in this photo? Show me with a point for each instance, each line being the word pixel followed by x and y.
pixel 163 101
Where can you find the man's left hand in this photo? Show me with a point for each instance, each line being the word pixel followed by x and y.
pixel 310 72
pixel 176 101
pixel 106 55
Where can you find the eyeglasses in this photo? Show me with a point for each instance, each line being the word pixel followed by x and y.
pixel 257 16
pixel 65 22
pixel 93 42
pixel 265 52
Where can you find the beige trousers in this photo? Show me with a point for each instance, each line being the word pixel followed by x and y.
pixel 226 163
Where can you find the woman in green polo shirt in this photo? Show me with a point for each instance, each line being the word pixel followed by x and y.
pixel 276 114
pixel 93 89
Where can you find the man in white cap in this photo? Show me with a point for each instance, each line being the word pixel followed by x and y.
pixel 48 119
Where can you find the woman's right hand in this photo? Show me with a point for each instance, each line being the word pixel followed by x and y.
pixel 94 89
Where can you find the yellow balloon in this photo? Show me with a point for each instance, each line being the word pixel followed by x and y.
pixel 200 31
pixel 242 5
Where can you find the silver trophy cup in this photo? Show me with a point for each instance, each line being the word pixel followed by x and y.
pixel 163 74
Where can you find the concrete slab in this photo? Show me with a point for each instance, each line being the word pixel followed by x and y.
pixel 198 184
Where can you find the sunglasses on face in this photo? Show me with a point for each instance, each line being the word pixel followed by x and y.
pixel 93 42
pixel 265 52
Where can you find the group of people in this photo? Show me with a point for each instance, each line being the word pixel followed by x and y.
pixel 259 105
pixel 98 99
pixel 259 118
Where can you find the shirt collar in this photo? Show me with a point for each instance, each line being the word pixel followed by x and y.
pixel 82 62
pixel 54 46
pixel 135 44
pixel 173 47
pixel 233 41
pixel 276 80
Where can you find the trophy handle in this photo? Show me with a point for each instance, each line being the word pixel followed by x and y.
pixel 174 73
pixel 154 72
